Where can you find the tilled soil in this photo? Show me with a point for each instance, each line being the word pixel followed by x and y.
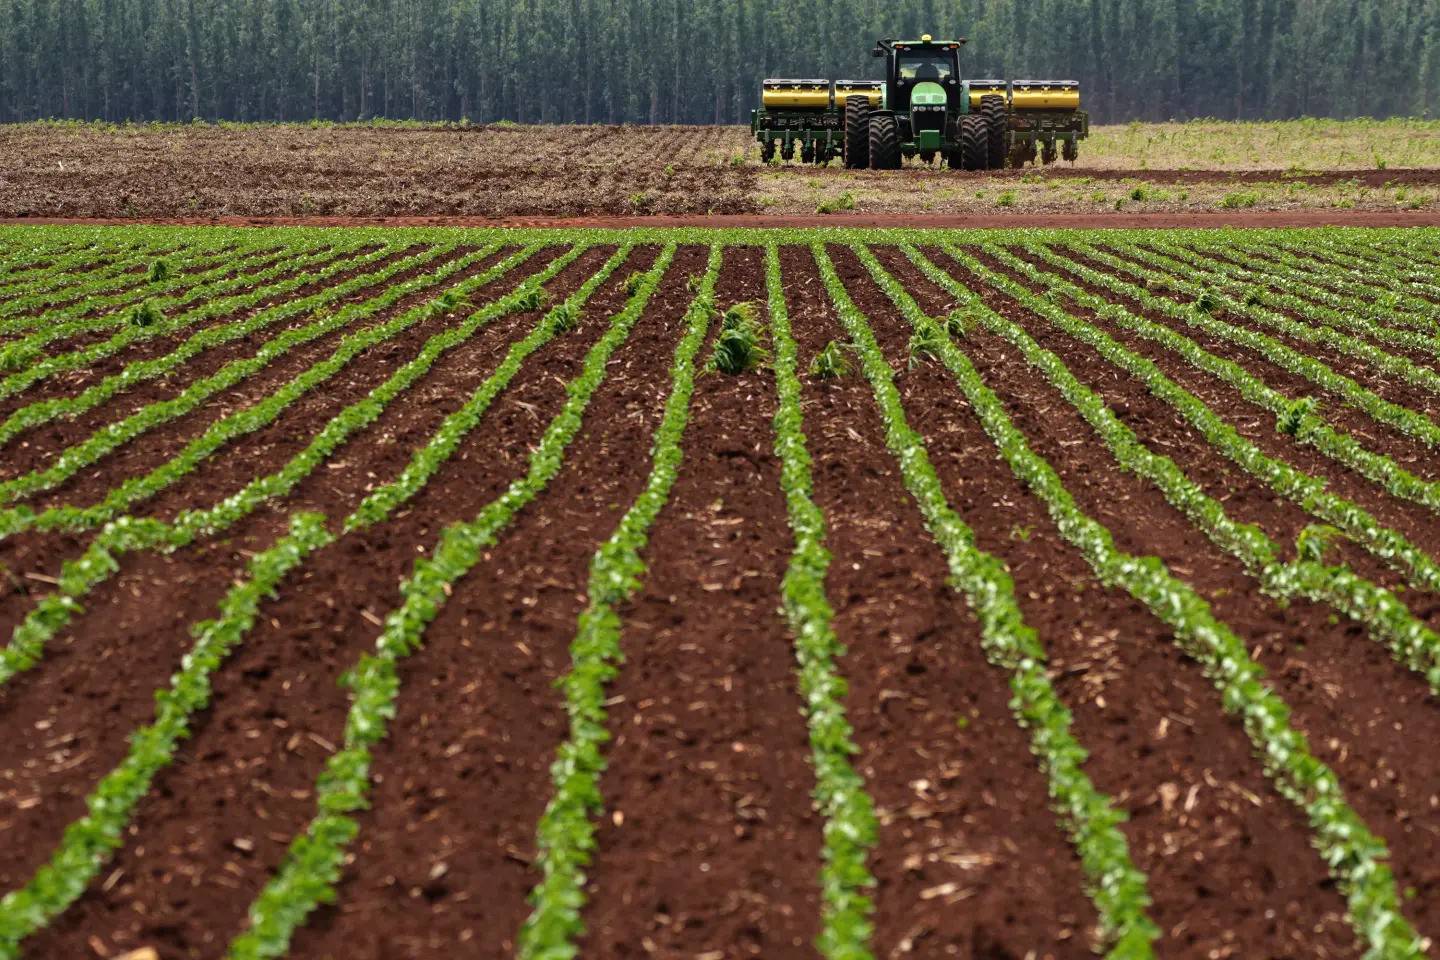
pixel 708 841
pixel 341 175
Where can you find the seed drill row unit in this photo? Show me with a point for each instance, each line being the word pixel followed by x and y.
pixel 921 109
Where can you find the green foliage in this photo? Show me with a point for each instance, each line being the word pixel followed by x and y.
pixel 926 342
pixel 160 271
pixel 845 201
pixel 1377 300
pixel 447 303
pixel 564 318
pixel 832 362
pixel 145 315
pixel 1307 491
pixel 495 63
pixel 1117 886
pixel 960 321
pixel 108 438
pixel 1295 415
pixel 1316 541
pixel 312 865
pixel 1355 854
pixel 1207 302
pixel 738 347
pixel 851 828
pixel 1239 200
pixel 1178 263
pixel 565 835
pixel 210 304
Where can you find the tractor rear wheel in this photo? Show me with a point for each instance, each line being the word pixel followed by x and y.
pixel 884 142
pixel 997 124
pixel 974 143
pixel 857 132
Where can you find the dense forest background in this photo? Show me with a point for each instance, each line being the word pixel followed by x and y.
pixel 693 61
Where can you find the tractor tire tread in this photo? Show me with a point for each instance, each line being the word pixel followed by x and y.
pixel 884 142
pixel 857 133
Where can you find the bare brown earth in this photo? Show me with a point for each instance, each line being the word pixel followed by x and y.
pixel 918 221
pixel 213 174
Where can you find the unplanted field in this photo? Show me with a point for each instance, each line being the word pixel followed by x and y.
pixel 377 593
pixel 204 172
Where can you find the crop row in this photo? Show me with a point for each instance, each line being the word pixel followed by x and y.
pixel 37 367
pixel 1327 333
pixel 565 834
pixel 1408 421
pixel 71 278
pixel 89 842
pixel 21 263
pixel 1301 417
pixel 93 306
pixel 1118 887
pixel 106 439
pixel 1362 267
pixel 126 534
pixel 315 858
pixel 1381 294
pixel 1355 855
pixel 1387 617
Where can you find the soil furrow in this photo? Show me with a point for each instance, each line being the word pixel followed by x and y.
pixel 1246 498
pixel 278 710
pixel 1229 860
pixel 1257 425
pixel 123 648
pixel 479 718
pixel 411 418
pixel 964 808
pixel 1362 727
pixel 72 382
pixel 1416 453
pixel 709 845
pixel 141 454
pixel 132 283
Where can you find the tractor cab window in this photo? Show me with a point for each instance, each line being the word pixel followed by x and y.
pixel 926 66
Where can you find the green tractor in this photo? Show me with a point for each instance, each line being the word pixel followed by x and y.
pixel 921 109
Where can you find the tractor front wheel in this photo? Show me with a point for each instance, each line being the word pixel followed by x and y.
pixel 974 143
pixel 857 132
pixel 884 142
pixel 997 124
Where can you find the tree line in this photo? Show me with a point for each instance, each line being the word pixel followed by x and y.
pixel 693 61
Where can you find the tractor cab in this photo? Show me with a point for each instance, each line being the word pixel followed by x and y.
pixel 928 67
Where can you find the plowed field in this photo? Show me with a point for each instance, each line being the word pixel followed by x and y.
pixel 379 593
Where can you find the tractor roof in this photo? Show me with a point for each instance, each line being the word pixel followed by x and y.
pixel 928 41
